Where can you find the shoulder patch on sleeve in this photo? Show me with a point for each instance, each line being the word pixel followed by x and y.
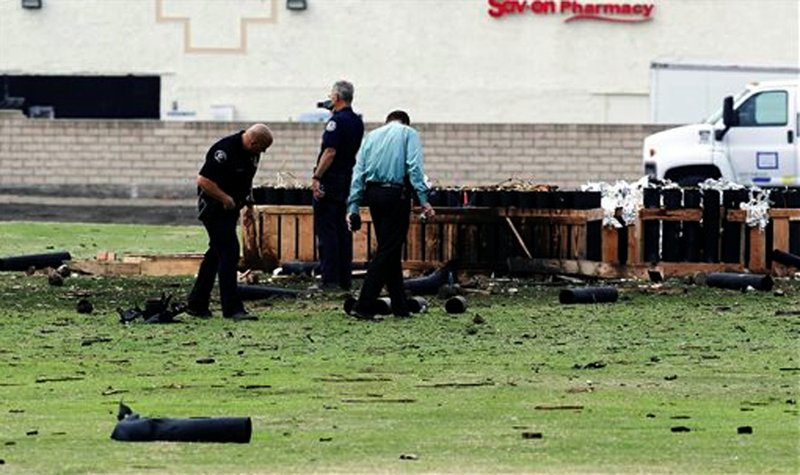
pixel 331 126
pixel 220 156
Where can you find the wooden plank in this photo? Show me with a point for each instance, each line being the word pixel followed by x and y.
pixel 780 241
pixel 610 271
pixel 610 247
pixel 305 232
pixel 288 249
pixel 269 237
pixel 433 241
pixel 635 244
pixel 106 267
pixel 250 251
pixel 792 214
pixel 360 244
pixel 578 241
pixel 165 267
pixel 758 257
pixel 568 216
pixel 650 214
pixel 414 241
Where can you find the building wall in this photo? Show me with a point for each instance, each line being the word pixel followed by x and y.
pixel 158 159
pixel 445 61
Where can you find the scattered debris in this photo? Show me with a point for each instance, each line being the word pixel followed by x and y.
pixel 54 278
pixel 531 435
pixel 671 377
pixel 156 310
pixel 592 365
pixel 205 360
pixel 744 430
pixel 478 320
pixel 409 457
pixel 93 340
pixel 84 306
pixel 680 429
pixel 734 281
pixel 563 407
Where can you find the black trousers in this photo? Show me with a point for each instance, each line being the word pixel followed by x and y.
pixel 334 240
pixel 220 260
pixel 390 209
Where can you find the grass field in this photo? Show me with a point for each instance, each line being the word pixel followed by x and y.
pixel 603 385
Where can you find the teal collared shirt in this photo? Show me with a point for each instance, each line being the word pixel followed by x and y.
pixel 389 154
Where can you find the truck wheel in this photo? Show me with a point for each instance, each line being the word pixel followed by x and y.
pixel 690 180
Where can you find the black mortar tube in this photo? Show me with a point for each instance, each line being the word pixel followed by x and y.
pixel 260 292
pixel 786 258
pixel 38 261
pixel 588 295
pixel 731 280
pixel 457 304
pixel 206 429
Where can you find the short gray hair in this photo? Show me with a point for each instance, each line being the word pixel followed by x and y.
pixel 344 90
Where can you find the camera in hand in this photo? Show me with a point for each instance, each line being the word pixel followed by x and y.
pixel 355 221
pixel 326 104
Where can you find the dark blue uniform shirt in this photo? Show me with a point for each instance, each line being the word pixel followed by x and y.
pixel 231 167
pixel 343 132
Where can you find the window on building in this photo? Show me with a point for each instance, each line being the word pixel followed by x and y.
pixel 86 97
pixel 764 109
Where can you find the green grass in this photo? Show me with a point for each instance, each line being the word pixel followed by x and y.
pixel 84 240
pixel 351 397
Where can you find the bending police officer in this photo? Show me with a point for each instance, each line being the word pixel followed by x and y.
pixel 224 186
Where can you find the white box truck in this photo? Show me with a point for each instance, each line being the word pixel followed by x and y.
pixel 752 140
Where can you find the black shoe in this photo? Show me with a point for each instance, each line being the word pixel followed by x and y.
pixel 204 313
pixel 361 315
pixel 241 316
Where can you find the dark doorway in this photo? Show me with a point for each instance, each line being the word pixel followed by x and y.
pixel 84 97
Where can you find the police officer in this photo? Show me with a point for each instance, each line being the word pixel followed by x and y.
pixel 331 187
pixel 224 187
pixel 389 167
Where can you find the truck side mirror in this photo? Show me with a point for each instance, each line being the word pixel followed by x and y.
pixel 729 116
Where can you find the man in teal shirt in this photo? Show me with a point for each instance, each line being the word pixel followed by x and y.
pixel 389 159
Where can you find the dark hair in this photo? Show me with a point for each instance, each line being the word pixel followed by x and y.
pixel 398 115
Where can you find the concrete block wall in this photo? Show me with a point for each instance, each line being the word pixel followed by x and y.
pixel 156 159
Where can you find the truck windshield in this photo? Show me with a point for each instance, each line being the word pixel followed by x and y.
pixel 717 115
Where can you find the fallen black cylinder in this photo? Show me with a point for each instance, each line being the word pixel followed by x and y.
pixel 785 258
pixel 588 295
pixel 429 284
pixel 206 429
pixel 38 261
pixel 260 292
pixel 731 280
pixel 457 304
pixel 417 305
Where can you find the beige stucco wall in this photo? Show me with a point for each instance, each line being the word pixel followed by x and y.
pixel 446 61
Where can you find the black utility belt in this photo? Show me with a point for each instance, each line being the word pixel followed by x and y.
pixel 378 184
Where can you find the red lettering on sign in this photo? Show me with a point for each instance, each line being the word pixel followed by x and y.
pixel 610 12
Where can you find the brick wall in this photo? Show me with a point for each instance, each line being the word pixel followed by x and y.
pixel 154 159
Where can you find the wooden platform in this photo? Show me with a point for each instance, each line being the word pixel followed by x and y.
pixel 479 237
pixel 141 264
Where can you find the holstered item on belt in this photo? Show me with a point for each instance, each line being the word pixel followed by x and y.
pixel 207 207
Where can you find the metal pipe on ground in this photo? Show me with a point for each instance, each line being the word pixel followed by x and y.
pixel 786 258
pixel 457 304
pixel 588 295
pixel 207 429
pixel 38 261
pixel 260 292
pixel 734 281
